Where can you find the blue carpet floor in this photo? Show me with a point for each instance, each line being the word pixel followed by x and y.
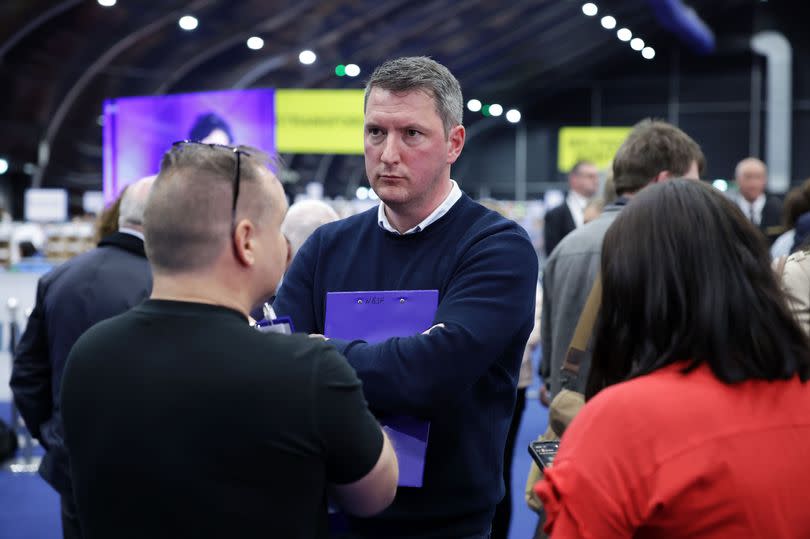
pixel 29 508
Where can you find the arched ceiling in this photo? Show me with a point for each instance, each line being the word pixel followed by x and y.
pixel 59 59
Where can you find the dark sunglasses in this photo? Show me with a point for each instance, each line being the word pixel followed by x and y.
pixel 233 149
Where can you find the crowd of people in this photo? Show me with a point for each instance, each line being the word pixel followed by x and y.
pixel 165 414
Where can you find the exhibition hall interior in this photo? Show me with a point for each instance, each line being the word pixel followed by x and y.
pixel 437 256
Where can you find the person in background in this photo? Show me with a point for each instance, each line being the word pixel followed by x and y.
pixel 107 221
pixel 762 209
pixel 211 129
pixel 303 219
pixel 83 291
pixel 583 182
pixel 183 421
pixel 426 234
pixel 688 380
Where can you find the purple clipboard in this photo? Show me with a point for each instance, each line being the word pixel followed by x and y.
pixel 374 316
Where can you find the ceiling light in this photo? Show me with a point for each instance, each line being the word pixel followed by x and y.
pixel 307 57
pixel 362 193
pixel 608 22
pixel 648 53
pixel 624 34
pixel 106 3
pixel 255 43
pixel 720 184
pixel 637 44
pixel 590 9
pixel 340 70
pixel 187 22
pixel 473 105
pixel 352 70
pixel 513 116
pixel 3 166
pixel 495 109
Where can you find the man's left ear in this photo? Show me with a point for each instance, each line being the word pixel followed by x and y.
pixel 243 237
pixel 455 141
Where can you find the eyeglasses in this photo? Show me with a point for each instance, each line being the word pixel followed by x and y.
pixel 233 149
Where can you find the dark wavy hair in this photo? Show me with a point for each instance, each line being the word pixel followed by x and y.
pixel 205 124
pixel 686 277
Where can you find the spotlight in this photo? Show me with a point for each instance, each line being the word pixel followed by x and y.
pixel 473 105
pixel 648 53
pixel 352 70
pixel 188 23
pixel 307 57
pixel 608 22
pixel 624 34
pixel 362 193
pixel 513 116
pixel 720 184
pixel 637 44
pixel 106 3
pixel 3 166
pixel 495 109
pixel 590 9
pixel 255 43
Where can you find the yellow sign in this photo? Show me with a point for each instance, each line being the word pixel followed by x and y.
pixel 595 144
pixel 319 121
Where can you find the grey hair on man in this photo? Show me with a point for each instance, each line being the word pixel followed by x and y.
pixel 302 219
pixel 133 203
pixel 188 219
pixel 403 75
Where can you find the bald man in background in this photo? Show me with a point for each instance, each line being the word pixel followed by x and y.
pixel 762 209
pixel 83 291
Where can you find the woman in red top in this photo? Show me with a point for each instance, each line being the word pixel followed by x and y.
pixel 698 416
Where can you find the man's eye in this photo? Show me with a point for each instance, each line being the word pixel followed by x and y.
pixel 374 132
pixel 413 132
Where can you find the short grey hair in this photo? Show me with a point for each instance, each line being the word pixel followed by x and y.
pixel 303 218
pixel 133 203
pixel 188 219
pixel 421 73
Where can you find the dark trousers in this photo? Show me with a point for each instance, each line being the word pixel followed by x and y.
pixel 70 519
pixel 503 511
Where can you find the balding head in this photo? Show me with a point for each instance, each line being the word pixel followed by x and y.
pixel 303 218
pixel 133 203
pixel 751 176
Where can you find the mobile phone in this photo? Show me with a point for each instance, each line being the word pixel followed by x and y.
pixel 543 453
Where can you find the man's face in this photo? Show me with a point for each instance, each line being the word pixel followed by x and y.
pixel 751 179
pixel 407 154
pixel 585 180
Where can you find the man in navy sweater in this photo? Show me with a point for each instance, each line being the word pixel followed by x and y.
pixel 427 235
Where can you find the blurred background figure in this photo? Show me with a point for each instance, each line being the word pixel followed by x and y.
pixel 302 219
pixel 797 203
pixel 583 182
pixel 211 129
pixel 677 339
pixel 107 221
pixel 762 209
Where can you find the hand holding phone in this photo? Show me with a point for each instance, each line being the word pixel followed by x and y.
pixel 543 453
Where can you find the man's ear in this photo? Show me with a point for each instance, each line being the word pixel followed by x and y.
pixel 243 242
pixel 455 140
pixel 662 176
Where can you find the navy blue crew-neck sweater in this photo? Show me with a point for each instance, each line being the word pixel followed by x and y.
pixel 462 378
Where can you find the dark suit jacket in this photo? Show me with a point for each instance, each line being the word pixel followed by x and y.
pixel 558 223
pixel 771 222
pixel 87 289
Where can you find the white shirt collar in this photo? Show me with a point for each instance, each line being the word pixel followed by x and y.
pixel 576 205
pixel 131 232
pixel 452 197
pixel 752 208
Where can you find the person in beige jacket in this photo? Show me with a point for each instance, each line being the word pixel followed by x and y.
pixel 796 284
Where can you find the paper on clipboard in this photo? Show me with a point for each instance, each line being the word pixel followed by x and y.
pixel 374 316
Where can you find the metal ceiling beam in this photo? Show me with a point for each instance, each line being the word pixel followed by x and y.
pixel 38 21
pixel 99 64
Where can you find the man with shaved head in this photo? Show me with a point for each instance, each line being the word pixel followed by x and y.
pixel 182 420
pixel 764 210
pixel 83 291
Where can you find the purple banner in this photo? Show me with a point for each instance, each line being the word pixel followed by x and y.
pixel 139 130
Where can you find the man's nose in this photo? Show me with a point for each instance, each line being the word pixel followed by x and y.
pixel 390 154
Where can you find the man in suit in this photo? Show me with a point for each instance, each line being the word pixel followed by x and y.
pixel 583 181
pixel 87 289
pixel 764 210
